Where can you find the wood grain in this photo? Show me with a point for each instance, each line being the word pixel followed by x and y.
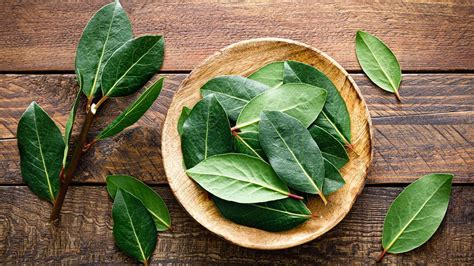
pixel 425 35
pixel 85 235
pixel 432 130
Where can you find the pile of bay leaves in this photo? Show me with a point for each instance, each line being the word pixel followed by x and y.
pixel 264 143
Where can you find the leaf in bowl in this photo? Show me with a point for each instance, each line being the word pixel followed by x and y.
pixel 240 178
pixel 330 147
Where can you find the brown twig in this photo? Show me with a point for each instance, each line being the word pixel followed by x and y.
pixel 379 259
pixel 67 174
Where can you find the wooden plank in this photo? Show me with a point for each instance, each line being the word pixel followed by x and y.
pixel 411 139
pixel 433 35
pixel 85 235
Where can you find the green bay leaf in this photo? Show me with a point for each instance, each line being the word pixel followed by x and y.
pixel 335 109
pixel 239 178
pixel 69 124
pixel 415 215
pixel 148 197
pixel 133 112
pixel 292 152
pixel 248 143
pixel 134 230
pixel 273 216
pixel 107 30
pixel 182 118
pixel 378 62
pixel 330 147
pixel 302 101
pixel 233 92
pixel 132 65
pixel 206 132
pixel 41 148
pixel 332 178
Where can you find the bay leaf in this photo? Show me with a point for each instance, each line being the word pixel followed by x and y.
pixel 330 147
pixel 239 178
pixel 206 132
pixel 132 65
pixel 248 143
pixel 107 30
pixel 41 148
pixel 69 124
pixel 302 101
pixel 334 116
pixel 378 62
pixel 134 230
pixel 148 197
pixel 292 152
pixel 332 178
pixel 415 215
pixel 272 216
pixel 233 92
pixel 133 112
pixel 182 118
pixel 270 74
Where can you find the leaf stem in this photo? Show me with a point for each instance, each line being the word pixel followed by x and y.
pixel 67 174
pixel 379 259
pixel 294 196
pixel 398 96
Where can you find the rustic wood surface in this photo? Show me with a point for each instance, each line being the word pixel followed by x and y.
pixel 432 130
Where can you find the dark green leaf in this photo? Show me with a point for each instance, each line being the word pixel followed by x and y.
pixel 292 152
pixel 248 143
pixel 133 112
pixel 233 92
pixel 239 178
pixel 70 123
pixel 335 111
pixel 134 230
pixel 149 198
pixel 302 101
pixel 270 75
pixel 332 178
pixel 273 216
pixel 108 29
pixel 416 213
pixel 41 148
pixel 330 147
pixel 378 62
pixel 132 65
pixel 182 118
pixel 206 132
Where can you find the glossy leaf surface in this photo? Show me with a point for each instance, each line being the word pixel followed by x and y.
pixel 330 147
pixel 292 152
pixel 332 178
pixel 134 230
pixel 182 118
pixel 132 65
pixel 378 62
pixel 233 92
pixel 301 101
pixel 239 178
pixel 148 197
pixel 133 112
pixel 108 29
pixel 248 143
pixel 273 216
pixel 41 148
pixel 416 213
pixel 337 118
pixel 206 132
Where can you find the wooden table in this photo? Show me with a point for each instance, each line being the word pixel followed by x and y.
pixel 432 130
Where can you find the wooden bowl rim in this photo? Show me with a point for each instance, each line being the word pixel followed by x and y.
pixel 203 64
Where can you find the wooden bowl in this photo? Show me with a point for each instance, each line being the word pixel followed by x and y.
pixel 243 58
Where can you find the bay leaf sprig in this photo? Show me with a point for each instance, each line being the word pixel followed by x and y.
pixel 109 63
pixel 138 213
pixel 378 62
pixel 415 215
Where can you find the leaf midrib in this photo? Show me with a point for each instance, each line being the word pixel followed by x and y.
pixel 248 146
pixel 50 189
pixel 133 229
pixel 285 212
pixel 414 216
